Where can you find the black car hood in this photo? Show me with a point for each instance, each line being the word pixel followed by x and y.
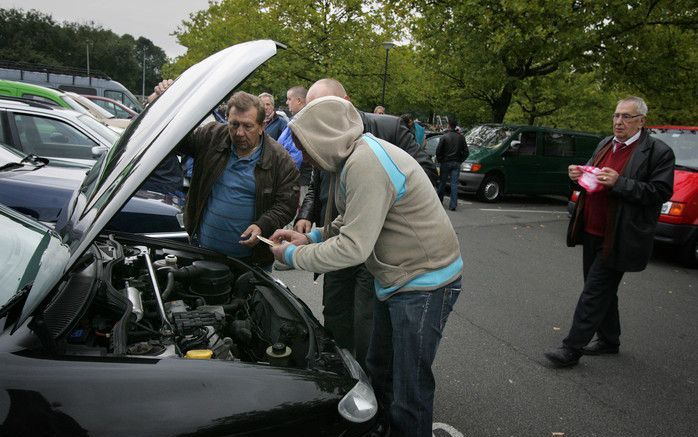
pixel 148 140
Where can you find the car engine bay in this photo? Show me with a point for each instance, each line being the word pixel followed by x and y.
pixel 149 302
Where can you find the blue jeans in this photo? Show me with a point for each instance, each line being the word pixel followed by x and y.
pixel 449 170
pixel 407 329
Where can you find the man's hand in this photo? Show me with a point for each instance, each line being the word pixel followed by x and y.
pixel 249 237
pixel 159 89
pixel 303 226
pixel 607 177
pixel 286 235
pixel 574 172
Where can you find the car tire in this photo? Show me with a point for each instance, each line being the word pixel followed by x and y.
pixel 490 189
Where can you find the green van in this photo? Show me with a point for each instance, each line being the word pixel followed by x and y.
pixel 513 159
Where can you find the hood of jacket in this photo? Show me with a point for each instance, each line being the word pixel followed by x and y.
pixel 327 129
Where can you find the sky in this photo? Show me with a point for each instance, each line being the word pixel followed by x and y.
pixel 152 19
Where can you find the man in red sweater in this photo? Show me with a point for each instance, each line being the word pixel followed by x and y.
pixel 616 226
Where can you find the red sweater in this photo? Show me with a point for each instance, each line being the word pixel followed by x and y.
pixel 596 204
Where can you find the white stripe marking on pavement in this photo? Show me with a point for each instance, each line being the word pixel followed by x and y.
pixel 524 210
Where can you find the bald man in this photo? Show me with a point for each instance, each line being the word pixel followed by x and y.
pixel 348 294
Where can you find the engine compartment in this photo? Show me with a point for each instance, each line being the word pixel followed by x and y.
pixel 150 302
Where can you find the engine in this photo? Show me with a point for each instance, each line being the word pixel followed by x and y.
pixel 156 303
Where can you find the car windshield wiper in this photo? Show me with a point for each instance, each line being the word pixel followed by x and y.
pixel 18 297
pixel 10 166
pixel 34 159
pixel 685 167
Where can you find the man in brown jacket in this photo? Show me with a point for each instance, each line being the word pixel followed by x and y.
pixel 244 183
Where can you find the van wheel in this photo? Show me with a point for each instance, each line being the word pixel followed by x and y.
pixel 490 189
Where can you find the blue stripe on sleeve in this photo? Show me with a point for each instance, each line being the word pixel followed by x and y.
pixel 315 236
pixel 288 254
pixel 397 177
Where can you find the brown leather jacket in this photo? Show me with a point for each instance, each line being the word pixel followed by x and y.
pixel 276 179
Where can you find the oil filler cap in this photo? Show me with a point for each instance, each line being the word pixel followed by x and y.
pixel 199 354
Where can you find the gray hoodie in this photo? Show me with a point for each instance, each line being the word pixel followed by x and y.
pixel 389 214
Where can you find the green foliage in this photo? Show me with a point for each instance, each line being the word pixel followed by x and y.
pixel 35 37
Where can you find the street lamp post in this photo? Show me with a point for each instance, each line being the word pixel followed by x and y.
pixel 387 45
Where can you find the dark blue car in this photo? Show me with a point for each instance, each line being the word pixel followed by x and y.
pixel 41 189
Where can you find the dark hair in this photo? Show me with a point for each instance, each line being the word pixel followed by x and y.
pixel 243 102
pixel 452 123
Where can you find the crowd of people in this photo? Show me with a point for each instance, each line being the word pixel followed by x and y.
pixel 351 195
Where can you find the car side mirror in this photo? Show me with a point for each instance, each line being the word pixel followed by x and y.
pixel 98 151
pixel 514 145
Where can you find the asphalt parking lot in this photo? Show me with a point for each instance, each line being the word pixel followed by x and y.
pixel 520 286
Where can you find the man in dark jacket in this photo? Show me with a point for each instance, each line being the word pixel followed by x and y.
pixel 244 184
pixel 348 294
pixel 450 153
pixel 616 226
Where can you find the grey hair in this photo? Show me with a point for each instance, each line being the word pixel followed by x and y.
pixel 267 95
pixel 639 102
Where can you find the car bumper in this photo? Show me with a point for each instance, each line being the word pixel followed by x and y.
pixel 675 234
pixel 469 182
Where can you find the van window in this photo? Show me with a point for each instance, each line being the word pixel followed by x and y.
pixel 527 147
pixel 557 144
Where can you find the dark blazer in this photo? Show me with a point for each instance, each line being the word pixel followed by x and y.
pixel 385 127
pixel 647 181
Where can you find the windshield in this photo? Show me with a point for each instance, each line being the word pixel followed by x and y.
pixel 487 136
pixel 109 135
pixel 75 106
pixel 684 143
pixel 8 154
pixel 30 255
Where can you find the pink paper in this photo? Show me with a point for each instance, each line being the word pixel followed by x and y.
pixel 588 179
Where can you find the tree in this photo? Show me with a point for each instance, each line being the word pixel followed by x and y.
pixel 492 51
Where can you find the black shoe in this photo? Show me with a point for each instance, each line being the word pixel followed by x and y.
pixel 452 209
pixel 600 347
pixel 563 357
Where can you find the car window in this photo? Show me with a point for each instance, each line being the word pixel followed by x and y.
pixel 103 131
pixel 557 144
pixel 489 137
pixel 527 147
pixel 52 138
pixel 120 113
pixel 684 144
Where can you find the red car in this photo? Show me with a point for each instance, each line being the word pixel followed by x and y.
pixel 678 221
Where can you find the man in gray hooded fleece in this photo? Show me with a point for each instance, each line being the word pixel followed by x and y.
pixel 391 219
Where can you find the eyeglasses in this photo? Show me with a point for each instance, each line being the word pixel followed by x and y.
pixel 247 127
pixel 626 116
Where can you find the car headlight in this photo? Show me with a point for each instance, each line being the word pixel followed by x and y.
pixel 470 167
pixel 673 208
pixel 359 405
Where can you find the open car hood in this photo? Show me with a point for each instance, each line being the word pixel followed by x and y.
pixel 153 135
pixel 118 174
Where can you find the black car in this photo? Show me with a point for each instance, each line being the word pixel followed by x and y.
pixel 109 334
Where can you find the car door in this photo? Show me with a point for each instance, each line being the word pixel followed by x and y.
pixel 50 137
pixel 521 163
pixel 558 153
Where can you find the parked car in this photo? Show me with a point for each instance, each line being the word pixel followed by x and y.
pixel 41 188
pixel 100 114
pixel 522 160
pixel 116 108
pixel 678 219
pixel 116 335
pixel 53 132
pixel 69 79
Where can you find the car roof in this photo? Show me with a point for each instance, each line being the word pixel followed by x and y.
pixel 8 102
